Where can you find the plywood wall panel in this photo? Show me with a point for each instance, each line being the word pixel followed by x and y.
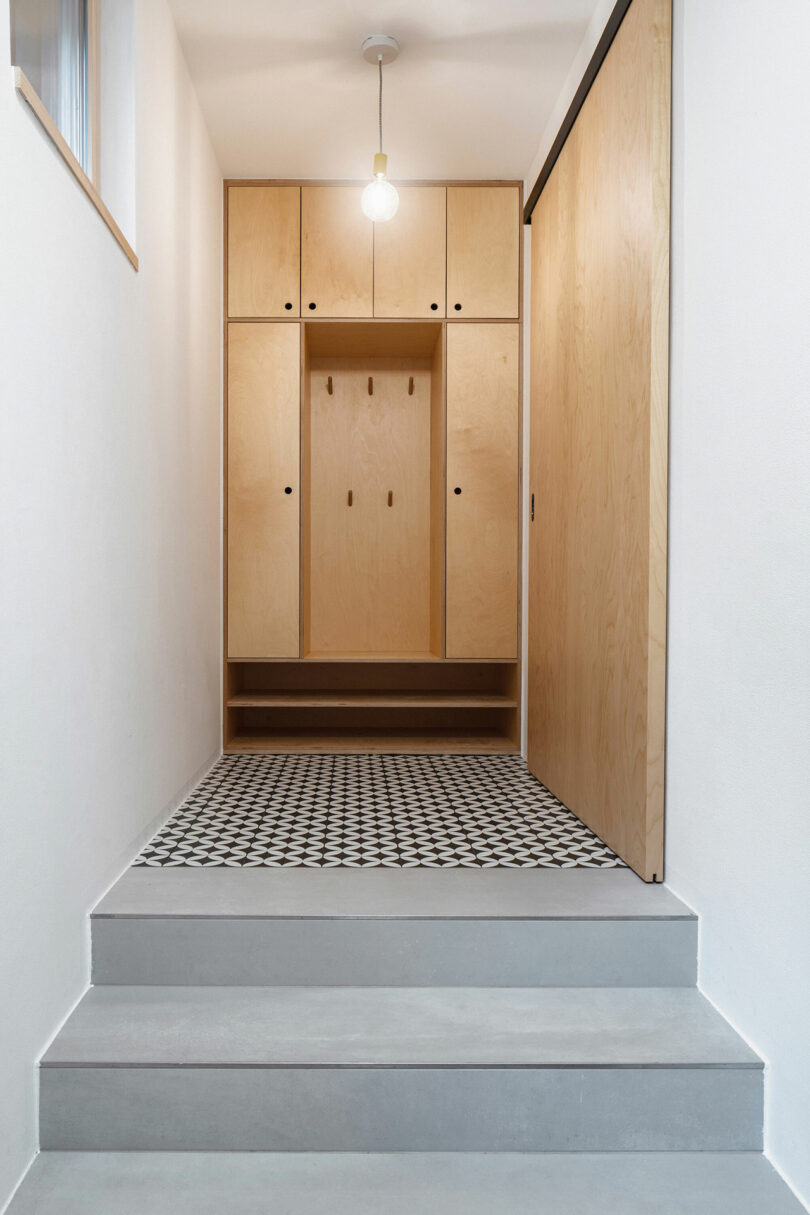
pixel 369 570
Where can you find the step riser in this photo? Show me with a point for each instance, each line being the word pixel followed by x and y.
pixel 394 952
pixel 401 1109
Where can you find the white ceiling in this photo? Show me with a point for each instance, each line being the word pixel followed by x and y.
pixel 286 92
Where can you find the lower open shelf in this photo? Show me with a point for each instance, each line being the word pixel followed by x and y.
pixel 369 700
pixel 416 707
pixel 346 741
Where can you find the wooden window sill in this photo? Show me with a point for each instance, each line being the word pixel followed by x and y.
pixel 30 95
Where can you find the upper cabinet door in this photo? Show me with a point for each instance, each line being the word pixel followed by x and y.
pixel 264 245
pixel 337 253
pixel 483 251
pixel 410 255
pixel 483 376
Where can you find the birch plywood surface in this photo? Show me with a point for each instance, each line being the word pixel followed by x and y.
pixel 482 461
pixel 337 253
pixel 410 255
pixel 483 251
pixel 597 589
pixel 369 563
pixel 264 245
pixel 263 461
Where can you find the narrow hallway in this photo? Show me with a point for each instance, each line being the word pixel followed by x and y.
pixel 406 607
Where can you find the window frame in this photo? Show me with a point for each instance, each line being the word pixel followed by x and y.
pixel 89 178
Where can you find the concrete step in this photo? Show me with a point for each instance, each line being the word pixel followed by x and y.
pixel 199 1183
pixel 412 927
pixel 399 1069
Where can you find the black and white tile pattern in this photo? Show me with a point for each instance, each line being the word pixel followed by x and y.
pixel 398 811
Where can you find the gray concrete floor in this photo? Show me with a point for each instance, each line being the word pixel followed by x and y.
pixel 200 1183
pixel 405 1026
pixel 412 893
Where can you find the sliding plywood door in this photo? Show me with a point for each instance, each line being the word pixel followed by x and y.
pixel 483 378
pixel 264 379
pixel 599 345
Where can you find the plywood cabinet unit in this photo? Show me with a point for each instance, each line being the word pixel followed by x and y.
pixel 263 489
pixel 264 251
pixel 369 606
pixel 482 490
pixel 483 251
pixel 410 255
pixel 311 251
pixel 337 253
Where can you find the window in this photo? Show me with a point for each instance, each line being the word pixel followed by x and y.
pixel 51 43
pixel 76 71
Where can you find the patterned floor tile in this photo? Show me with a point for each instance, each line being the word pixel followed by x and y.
pixel 362 811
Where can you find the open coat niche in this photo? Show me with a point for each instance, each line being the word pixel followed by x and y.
pixel 372 422
pixel 372 491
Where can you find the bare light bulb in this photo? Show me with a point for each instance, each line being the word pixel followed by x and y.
pixel 379 200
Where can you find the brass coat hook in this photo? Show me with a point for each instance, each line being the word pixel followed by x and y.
pixel 329 385
pixel 410 386
pixel 371 385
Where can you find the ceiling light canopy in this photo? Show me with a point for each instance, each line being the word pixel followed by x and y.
pixel 380 200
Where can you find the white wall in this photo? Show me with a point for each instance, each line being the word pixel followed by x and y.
pixel 738 774
pixel 114 175
pixel 109 535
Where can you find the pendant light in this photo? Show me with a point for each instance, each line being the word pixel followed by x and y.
pixel 380 200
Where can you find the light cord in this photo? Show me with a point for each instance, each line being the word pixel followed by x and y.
pixel 380 65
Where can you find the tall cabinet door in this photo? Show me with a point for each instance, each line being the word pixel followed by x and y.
pixel 264 248
pixel 263 490
pixel 482 491
pixel 410 254
pixel 337 253
pixel 483 251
